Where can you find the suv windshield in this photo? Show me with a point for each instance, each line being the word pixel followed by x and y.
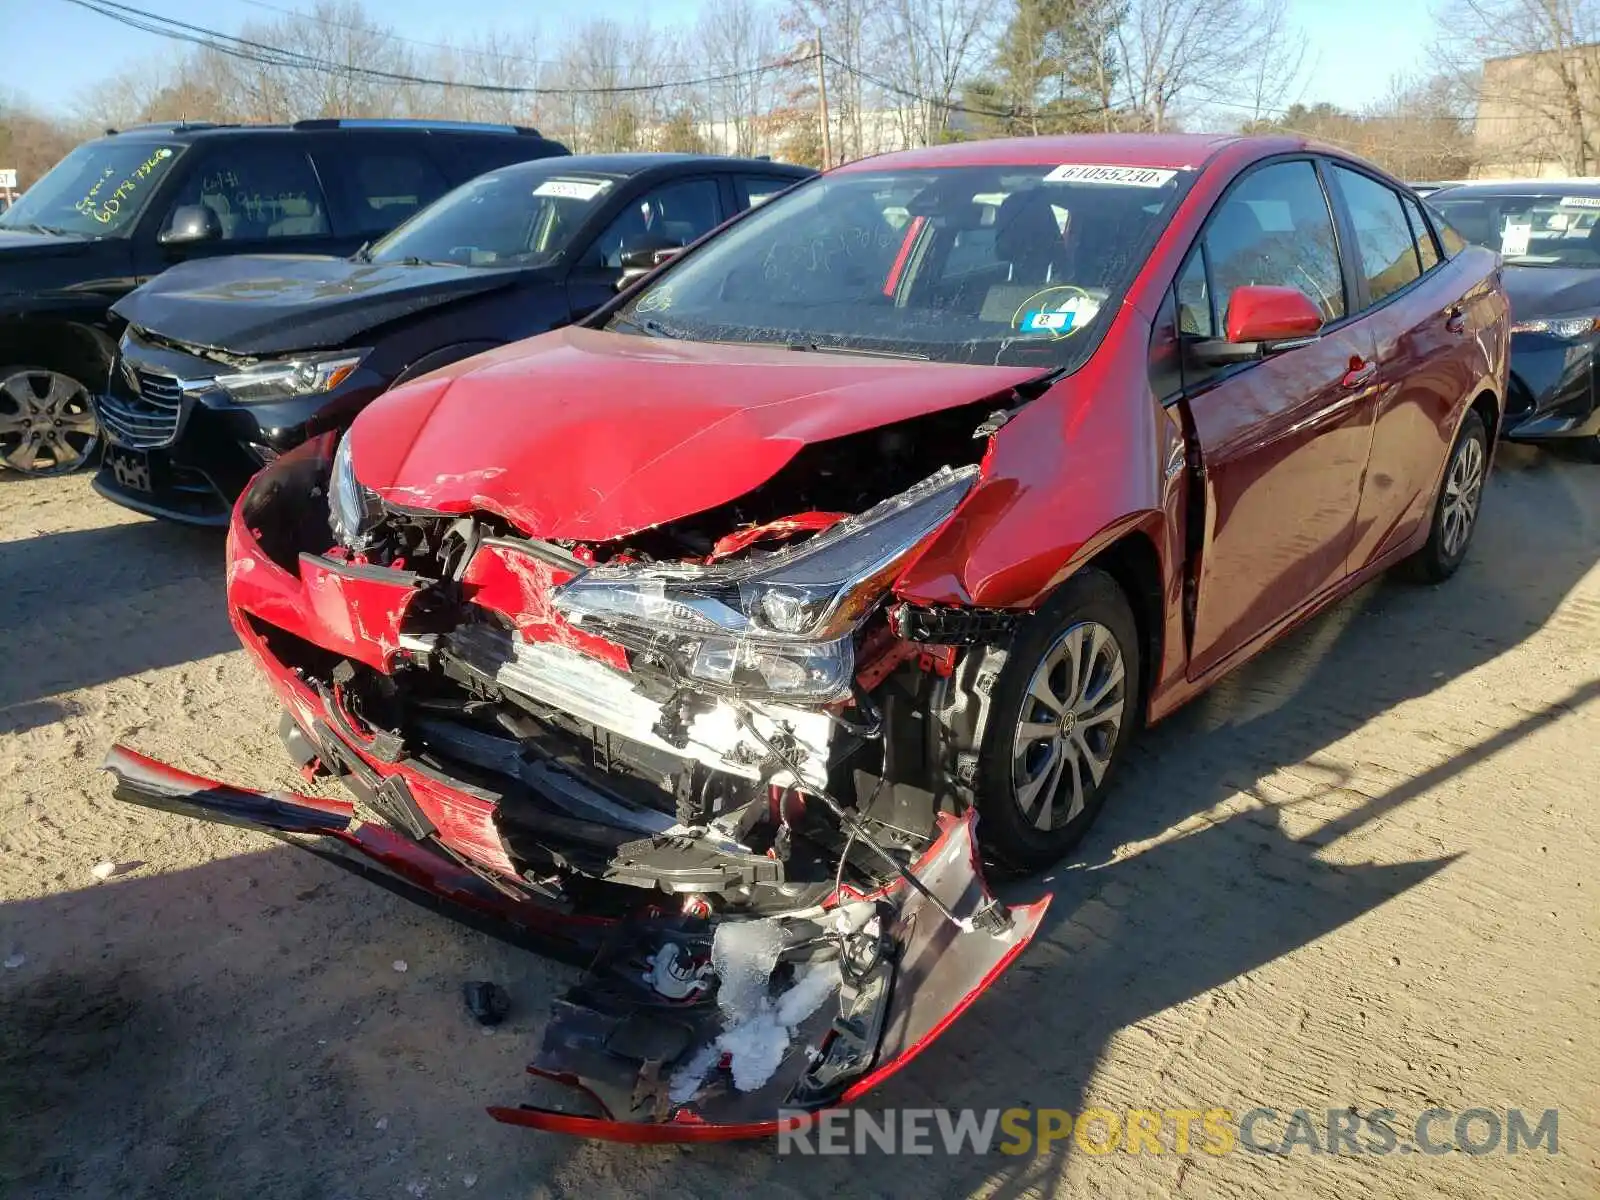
pixel 1550 230
pixel 511 217
pixel 97 190
pixel 1000 264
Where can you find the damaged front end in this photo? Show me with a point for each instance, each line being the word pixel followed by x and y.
pixel 699 756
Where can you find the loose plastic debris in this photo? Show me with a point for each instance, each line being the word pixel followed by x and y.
pixel 103 870
pixel 400 965
pixel 756 1028
pixel 487 1002
pixel 15 960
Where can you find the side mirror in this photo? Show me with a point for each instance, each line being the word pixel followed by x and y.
pixel 639 260
pixel 191 223
pixel 1261 320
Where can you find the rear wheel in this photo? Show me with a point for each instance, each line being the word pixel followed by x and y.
pixel 1065 708
pixel 1455 512
pixel 47 424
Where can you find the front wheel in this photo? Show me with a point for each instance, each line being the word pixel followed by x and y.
pixel 1455 512
pixel 47 425
pixel 1065 708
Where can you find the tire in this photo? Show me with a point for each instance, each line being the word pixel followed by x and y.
pixel 47 424
pixel 1026 820
pixel 1453 525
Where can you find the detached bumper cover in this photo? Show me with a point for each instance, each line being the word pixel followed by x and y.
pixel 604 1045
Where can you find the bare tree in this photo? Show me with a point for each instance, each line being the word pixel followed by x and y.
pixel 1192 52
pixel 926 49
pixel 740 39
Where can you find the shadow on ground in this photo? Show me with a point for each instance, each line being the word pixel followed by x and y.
pixel 84 607
pixel 196 1033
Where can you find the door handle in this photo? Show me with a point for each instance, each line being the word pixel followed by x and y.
pixel 1455 320
pixel 1360 374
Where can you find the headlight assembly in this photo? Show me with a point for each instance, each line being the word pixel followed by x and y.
pixel 778 625
pixel 353 509
pixel 286 379
pixel 1568 329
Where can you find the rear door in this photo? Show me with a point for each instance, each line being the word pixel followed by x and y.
pixel 1416 306
pixel 1282 440
pixel 374 180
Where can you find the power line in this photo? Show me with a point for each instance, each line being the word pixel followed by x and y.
pixel 258 52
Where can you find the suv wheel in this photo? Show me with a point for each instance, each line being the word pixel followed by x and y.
pixel 47 424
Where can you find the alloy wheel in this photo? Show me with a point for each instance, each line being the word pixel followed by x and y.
pixel 1463 488
pixel 47 425
pixel 1067 730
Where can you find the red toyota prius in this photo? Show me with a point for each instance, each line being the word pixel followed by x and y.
pixel 719 639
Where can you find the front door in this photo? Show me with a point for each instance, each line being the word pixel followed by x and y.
pixel 1283 440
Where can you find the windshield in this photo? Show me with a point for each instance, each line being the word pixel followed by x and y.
pixel 1001 264
pixel 507 218
pixel 1541 231
pixel 97 190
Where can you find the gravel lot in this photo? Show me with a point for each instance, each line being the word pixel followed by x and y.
pixel 1361 872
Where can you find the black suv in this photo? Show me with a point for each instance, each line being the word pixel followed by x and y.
pixel 227 364
pixel 123 208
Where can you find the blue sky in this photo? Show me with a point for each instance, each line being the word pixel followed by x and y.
pixel 55 52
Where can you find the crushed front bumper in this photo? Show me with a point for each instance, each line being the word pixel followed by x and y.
pixel 614 1043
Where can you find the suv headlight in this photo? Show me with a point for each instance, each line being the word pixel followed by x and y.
pixel 285 379
pixel 778 625
pixel 353 509
pixel 1568 329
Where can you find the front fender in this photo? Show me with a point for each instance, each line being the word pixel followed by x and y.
pixel 1069 475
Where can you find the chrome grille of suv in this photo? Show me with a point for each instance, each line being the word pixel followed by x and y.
pixel 147 419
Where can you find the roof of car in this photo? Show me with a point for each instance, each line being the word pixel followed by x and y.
pixel 636 163
pixel 1521 187
pixel 1170 150
pixel 201 130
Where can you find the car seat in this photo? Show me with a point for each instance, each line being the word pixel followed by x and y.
pixel 1028 239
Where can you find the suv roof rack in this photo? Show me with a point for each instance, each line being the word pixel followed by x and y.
pixel 407 123
pixel 167 127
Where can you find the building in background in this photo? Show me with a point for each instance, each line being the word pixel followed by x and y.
pixel 1539 114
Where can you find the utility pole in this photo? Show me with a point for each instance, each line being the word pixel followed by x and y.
pixel 822 104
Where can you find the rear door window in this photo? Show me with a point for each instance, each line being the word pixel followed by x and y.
pixel 1383 237
pixel 259 191
pixel 381 186
pixel 1426 250
pixel 673 214
pixel 753 190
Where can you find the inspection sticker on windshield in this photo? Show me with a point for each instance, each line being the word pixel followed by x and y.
pixel 1514 239
pixel 1580 202
pixel 1145 177
pixel 572 189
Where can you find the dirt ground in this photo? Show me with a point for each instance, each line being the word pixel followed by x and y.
pixel 1361 872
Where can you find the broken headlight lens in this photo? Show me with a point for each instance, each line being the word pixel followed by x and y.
pixel 353 509
pixel 308 375
pixel 778 625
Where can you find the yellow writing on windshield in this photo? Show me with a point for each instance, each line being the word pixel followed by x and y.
pixel 102 205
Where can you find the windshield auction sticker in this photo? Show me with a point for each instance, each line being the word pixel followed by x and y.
pixel 572 189
pixel 1145 177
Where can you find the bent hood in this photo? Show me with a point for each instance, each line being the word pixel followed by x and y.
pixel 583 434
pixel 1551 291
pixel 275 304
